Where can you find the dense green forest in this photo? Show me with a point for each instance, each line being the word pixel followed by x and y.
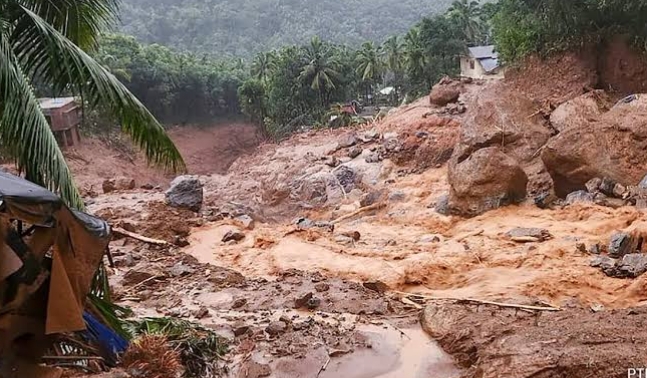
pixel 299 84
pixel 246 27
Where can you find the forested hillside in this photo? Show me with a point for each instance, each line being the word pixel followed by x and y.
pixel 245 27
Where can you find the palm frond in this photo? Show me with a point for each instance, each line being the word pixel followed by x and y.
pixel 80 21
pixel 25 133
pixel 49 56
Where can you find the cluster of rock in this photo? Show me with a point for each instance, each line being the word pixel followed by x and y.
pixel 507 153
pixel 625 257
pixel 607 192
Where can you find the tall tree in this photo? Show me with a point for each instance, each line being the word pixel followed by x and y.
pixel 320 69
pixel 261 66
pixel 369 66
pixel 43 41
pixel 467 13
pixel 394 53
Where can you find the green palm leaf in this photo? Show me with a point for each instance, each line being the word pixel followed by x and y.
pixel 49 56
pixel 25 133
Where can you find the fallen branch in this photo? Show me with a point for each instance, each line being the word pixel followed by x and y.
pixel 325 365
pixel 375 206
pixel 135 236
pixel 478 301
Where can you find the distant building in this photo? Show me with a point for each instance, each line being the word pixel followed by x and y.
pixel 481 62
pixel 64 117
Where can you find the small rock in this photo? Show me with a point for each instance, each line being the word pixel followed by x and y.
pixel 377 286
pixel 144 294
pixel 593 185
pixel 354 152
pixel 322 286
pixel 332 161
pixel 431 238
pixel 581 247
pixel 313 303
pixel 596 307
pixel 391 243
pixel 603 262
pixel 347 177
pixel 245 221
pixel 422 134
pixel 543 200
pixel 579 196
pixel 370 135
pixel 619 190
pixel 307 301
pixel 147 187
pixel 595 249
pixel 632 265
pixel 241 330
pixel 373 157
pixel 538 233
pixel 180 241
pixel 238 303
pixel 619 244
pixel 276 328
pixel 347 140
pixel 185 192
pixel 200 313
pixel 396 196
pixel 233 235
pixel 179 270
pixel 226 276
pixel 442 205
pixel 108 186
pixel 392 145
pixel 305 224
pixel 355 235
pixel 607 186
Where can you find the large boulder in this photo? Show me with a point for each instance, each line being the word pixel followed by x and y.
pixel 613 146
pixel 502 117
pixel 485 180
pixel 580 111
pixel 185 192
pixel 445 92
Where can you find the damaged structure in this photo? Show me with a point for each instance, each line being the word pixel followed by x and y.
pixel 48 257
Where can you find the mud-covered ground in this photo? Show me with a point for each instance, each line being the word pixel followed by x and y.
pixel 353 301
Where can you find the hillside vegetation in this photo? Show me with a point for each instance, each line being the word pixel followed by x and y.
pixel 245 27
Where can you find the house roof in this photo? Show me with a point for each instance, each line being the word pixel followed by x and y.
pixel 487 57
pixel 482 52
pixel 55 103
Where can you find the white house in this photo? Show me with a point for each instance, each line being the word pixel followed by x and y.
pixel 481 62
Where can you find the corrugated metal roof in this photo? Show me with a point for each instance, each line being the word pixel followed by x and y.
pixel 482 52
pixel 55 103
pixel 489 64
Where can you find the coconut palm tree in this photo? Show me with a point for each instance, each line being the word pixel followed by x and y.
pixel 393 51
pixel 44 41
pixel 414 53
pixel 369 66
pixel 467 13
pixel 261 66
pixel 320 69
